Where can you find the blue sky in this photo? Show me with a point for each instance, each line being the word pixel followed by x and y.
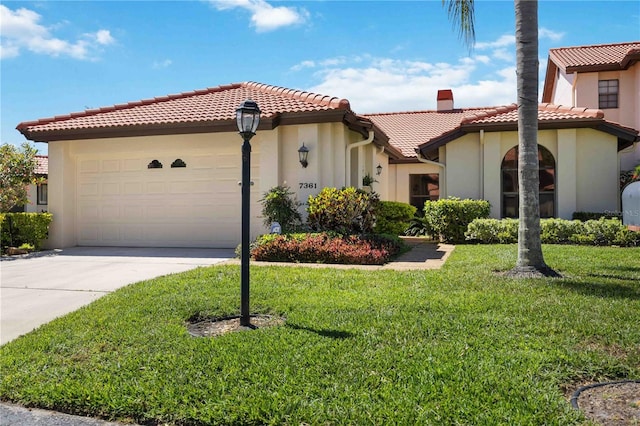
pixel 58 57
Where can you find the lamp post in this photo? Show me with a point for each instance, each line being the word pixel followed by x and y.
pixel 248 118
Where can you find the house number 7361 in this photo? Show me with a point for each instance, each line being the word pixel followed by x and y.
pixel 308 185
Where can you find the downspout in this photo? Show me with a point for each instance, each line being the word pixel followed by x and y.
pixel 443 193
pixel 347 159
pixel 482 164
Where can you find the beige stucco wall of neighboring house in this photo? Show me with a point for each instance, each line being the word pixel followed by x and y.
pixel 32 206
pixel 628 111
pixel 586 168
pixel 597 187
pixel 463 167
pixel 563 90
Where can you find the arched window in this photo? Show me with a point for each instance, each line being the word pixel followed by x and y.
pixel 547 174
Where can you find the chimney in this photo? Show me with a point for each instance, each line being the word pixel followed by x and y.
pixel 445 100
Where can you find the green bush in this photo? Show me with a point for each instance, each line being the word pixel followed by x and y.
pixel 605 232
pixel 393 217
pixel 25 228
pixel 559 231
pixel 327 247
pixel 493 231
pixel 278 205
pixel 448 218
pixel 556 231
pixel 345 211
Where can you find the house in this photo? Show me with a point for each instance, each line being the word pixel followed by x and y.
pixel 604 77
pixel 38 193
pixel 472 153
pixel 165 171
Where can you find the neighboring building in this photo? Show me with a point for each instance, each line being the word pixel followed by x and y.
pixel 605 77
pixel 165 171
pixel 37 194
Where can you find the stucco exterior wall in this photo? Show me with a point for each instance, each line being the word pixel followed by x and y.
pixel 563 90
pixel 399 182
pixel 628 111
pixel 586 164
pixel 463 167
pixel 274 161
pixel 597 188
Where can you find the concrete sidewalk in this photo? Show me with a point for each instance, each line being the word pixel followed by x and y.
pixel 37 288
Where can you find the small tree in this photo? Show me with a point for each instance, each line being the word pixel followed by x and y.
pixel 17 171
pixel 279 205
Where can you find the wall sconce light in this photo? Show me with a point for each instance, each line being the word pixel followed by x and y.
pixel 303 153
pixel 378 170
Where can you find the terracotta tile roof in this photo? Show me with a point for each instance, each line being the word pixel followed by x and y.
pixel 601 57
pixel 407 130
pixel 42 167
pixel 546 113
pixel 200 106
pixel 427 130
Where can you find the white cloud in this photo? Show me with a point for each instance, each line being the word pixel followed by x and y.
pixel 502 41
pixel 161 64
pixel 21 29
pixel 265 17
pixel 550 34
pixel 385 84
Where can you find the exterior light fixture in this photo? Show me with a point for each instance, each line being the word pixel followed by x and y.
pixel 248 118
pixel 303 153
pixel 378 169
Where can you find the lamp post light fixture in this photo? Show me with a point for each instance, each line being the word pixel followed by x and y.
pixel 303 153
pixel 248 118
pixel 379 170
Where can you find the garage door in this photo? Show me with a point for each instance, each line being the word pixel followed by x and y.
pixel 191 201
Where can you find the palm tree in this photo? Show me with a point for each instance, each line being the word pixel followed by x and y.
pixel 530 261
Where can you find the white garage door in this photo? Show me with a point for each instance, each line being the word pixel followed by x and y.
pixel 123 202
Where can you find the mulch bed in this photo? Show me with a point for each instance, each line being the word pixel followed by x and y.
pixel 610 404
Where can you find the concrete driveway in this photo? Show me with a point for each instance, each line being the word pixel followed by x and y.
pixel 38 288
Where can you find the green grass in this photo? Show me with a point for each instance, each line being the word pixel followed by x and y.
pixel 457 346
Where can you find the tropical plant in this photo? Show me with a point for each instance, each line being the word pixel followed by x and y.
pixel 17 171
pixel 279 205
pixel 530 260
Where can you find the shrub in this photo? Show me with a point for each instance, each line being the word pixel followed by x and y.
pixel 346 211
pixel 327 248
pixel 278 205
pixel 604 232
pixel 493 231
pixel 559 231
pixel 448 218
pixel 393 217
pixel 556 231
pixel 25 228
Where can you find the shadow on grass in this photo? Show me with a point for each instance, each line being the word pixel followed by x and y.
pixel 600 289
pixel 334 334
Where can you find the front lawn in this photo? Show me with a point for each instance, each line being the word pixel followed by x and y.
pixel 460 345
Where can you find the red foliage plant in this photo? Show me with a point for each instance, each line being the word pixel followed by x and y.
pixel 325 248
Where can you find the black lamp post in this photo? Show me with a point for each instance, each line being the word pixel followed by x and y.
pixel 248 118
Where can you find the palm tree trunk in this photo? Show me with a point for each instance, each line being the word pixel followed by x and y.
pixel 530 260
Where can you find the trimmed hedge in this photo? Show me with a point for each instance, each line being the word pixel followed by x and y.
pixel 393 217
pixel 448 218
pixel 327 248
pixel 346 211
pixel 24 228
pixel 601 232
